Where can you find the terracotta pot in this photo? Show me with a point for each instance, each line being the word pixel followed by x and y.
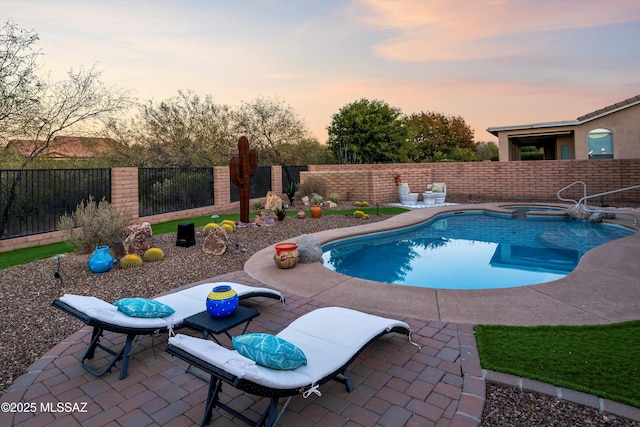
pixel 286 255
pixel 316 211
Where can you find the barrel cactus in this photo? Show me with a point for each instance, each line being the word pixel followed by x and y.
pixel 228 225
pixel 207 228
pixel 153 255
pixel 130 261
pixel 360 214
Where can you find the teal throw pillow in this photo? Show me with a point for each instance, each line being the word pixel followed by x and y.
pixel 270 351
pixel 142 307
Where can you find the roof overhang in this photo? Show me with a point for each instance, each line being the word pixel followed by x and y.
pixel 535 135
pixel 546 125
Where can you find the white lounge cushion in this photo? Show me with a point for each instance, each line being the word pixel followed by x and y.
pixel 186 302
pixel 329 337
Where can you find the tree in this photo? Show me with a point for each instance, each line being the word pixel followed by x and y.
pixel 487 150
pixel 185 131
pixel 308 151
pixel 367 132
pixel 433 137
pixel 35 112
pixel 20 88
pixel 269 124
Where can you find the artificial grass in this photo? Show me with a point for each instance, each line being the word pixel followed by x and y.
pixel 603 360
pixel 26 255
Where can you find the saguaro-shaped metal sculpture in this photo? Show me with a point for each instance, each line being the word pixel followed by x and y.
pixel 241 168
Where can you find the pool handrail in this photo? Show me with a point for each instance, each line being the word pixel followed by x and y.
pixel 582 205
pixel 584 188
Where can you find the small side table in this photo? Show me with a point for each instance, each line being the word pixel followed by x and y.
pixel 209 325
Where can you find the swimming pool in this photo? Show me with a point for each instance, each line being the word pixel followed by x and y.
pixel 471 250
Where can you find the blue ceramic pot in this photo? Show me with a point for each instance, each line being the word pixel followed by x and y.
pixel 222 301
pixel 100 260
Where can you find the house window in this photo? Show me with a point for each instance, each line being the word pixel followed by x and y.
pixel 600 144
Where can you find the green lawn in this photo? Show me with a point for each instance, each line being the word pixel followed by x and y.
pixel 603 360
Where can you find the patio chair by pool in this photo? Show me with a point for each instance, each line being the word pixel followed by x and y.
pixel 440 190
pixel 104 316
pixel 329 339
pixel 407 198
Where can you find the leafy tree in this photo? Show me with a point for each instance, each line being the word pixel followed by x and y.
pixel 307 152
pixel 433 137
pixel 367 132
pixel 487 150
pixel 271 126
pixel 182 131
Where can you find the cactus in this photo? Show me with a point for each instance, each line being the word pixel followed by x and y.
pixel 358 204
pixel 207 228
pixel 364 204
pixel 231 223
pixel 153 255
pixel 130 261
pixel 241 168
pixel 227 227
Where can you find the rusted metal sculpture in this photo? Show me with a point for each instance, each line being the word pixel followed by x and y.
pixel 241 169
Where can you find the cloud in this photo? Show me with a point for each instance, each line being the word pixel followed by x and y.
pixel 471 30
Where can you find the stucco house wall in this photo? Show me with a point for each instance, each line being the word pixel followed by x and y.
pixel 622 119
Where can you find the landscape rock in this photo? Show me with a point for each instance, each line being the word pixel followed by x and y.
pixel 137 239
pixel 216 242
pixel 309 249
pixel 272 202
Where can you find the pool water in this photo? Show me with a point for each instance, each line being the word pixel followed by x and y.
pixel 471 250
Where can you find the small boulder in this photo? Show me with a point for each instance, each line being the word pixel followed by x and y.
pixel 216 242
pixel 272 202
pixel 309 249
pixel 138 239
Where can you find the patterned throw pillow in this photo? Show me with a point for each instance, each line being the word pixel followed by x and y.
pixel 438 187
pixel 270 351
pixel 141 307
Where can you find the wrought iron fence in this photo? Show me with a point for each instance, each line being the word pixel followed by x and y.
pixel 32 200
pixel 259 184
pixel 163 190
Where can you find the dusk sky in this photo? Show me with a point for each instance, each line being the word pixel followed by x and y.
pixel 492 62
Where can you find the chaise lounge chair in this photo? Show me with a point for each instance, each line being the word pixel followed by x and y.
pixel 330 338
pixel 104 316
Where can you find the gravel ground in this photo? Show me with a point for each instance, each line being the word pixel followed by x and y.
pixel 30 326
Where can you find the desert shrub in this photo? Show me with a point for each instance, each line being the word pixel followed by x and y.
pixel 93 224
pixel 530 152
pixel 313 184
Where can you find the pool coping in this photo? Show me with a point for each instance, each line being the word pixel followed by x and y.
pixel 597 291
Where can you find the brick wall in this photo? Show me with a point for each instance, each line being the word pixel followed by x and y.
pixel 530 181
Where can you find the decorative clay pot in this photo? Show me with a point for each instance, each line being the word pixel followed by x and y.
pixel 100 260
pixel 286 255
pixel 222 301
pixel 316 211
